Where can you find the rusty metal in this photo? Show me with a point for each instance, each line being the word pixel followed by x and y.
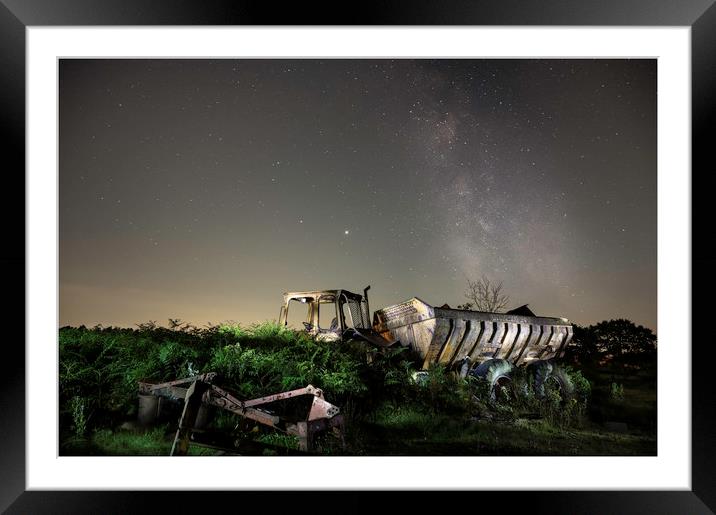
pixel 349 311
pixel 306 431
pixel 308 390
pixel 319 415
pixel 187 422
pixel 328 313
pixel 149 388
pixel 451 336
pixel 222 399
pixel 459 339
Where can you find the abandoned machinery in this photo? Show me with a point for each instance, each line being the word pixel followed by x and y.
pixel 487 345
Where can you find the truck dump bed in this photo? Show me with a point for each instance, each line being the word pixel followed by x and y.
pixel 444 335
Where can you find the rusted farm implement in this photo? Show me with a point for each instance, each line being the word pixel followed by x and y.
pixel 303 412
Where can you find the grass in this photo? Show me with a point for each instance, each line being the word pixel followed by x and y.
pixel 386 412
pixel 108 442
pixel 637 405
pixel 404 431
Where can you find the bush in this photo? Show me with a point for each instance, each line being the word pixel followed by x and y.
pixel 616 392
pixel 268 358
pixel 79 417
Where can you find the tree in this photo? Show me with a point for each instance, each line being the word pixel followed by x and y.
pixel 485 295
pixel 618 340
pixel 622 337
pixel 584 347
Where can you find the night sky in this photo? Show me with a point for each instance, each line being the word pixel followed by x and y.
pixel 204 189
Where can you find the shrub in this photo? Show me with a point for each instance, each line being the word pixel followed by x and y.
pixel 616 392
pixel 582 386
pixel 79 417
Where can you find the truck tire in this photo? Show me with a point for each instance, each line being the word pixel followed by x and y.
pixel 546 372
pixel 497 374
pixel 563 383
pixel 539 372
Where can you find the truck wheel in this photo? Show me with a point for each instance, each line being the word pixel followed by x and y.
pixel 546 373
pixel 497 374
pixel 539 371
pixel 560 379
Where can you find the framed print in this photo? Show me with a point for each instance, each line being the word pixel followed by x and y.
pixel 514 183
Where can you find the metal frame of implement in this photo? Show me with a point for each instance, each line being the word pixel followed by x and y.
pixel 200 391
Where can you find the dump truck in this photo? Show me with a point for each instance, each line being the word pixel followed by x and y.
pixel 483 344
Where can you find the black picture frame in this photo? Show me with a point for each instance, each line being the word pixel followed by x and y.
pixel 16 15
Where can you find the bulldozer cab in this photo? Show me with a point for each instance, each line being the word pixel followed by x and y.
pixel 328 315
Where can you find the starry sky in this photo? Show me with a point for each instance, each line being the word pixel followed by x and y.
pixel 204 189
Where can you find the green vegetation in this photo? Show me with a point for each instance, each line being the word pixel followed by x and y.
pixel 122 442
pixel 388 410
pixel 617 392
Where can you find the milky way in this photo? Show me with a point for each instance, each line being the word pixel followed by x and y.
pixel 204 189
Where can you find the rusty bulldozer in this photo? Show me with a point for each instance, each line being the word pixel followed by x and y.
pixel 481 344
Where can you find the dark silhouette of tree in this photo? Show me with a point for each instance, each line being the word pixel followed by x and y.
pixel 484 295
pixel 612 340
